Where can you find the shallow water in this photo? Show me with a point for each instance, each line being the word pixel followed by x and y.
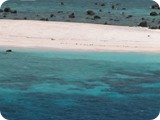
pixel 61 85
pixel 39 9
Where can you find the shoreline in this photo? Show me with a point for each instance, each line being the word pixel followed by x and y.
pixel 42 49
pixel 42 35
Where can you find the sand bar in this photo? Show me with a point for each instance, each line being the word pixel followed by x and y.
pixel 77 36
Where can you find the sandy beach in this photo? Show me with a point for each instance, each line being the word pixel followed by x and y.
pixel 77 36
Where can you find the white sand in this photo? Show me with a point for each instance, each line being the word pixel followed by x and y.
pixel 77 36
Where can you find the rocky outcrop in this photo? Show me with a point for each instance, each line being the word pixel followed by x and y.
pixel 62 3
pixel 113 7
pixel 1 10
pixel 9 50
pixel 103 4
pixel 143 24
pixel 153 27
pixel 8 9
pixel 71 15
pixel 52 15
pixel 156 6
pixel 129 16
pixel 44 19
pixel 106 23
pixel 97 17
pixel 153 14
pixel 90 12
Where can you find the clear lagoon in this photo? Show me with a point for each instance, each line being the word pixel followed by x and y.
pixel 58 85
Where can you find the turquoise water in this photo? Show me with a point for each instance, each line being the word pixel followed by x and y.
pixel 61 85
pixel 38 9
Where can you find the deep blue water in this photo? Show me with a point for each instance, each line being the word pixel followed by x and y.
pixel 61 85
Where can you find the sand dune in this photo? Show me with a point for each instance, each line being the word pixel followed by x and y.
pixel 77 36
